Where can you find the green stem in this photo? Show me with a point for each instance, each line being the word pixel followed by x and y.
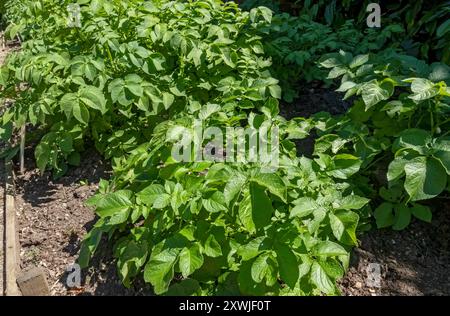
pixel 110 56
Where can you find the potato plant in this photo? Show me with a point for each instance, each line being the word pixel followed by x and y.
pixel 135 73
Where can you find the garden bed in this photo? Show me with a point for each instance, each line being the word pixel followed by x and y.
pixel 53 220
pixel 133 86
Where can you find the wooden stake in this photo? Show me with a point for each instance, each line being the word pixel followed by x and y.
pixel 12 250
pixel 33 282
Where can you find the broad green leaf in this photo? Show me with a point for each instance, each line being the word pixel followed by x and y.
pixel 191 259
pixel 42 155
pixel 424 178
pixel 245 213
pixel 352 202
pixel 423 89
pixel 68 102
pixel 422 212
pixel 233 187
pixel 414 138
pixel 264 267
pixel 168 99
pixel 374 92
pixel 262 209
pixel 212 247
pixel 384 215
pixel 81 113
pixel 114 202
pixel 275 91
pixel 187 287
pixel 89 245
pixel 162 201
pixel 252 248
pixel 402 217
pixel 149 194
pixel 320 279
pixel 159 270
pixel 288 265
pixel 273 182
pixel 303 207
pixel 216 203
pixel 328 249
pixel 396 169
pixel 94 98
pixel 442 152
pixel 359 61
pixel 344 224
pixel 345 165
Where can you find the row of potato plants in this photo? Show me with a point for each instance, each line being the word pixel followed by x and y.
pixel 136 71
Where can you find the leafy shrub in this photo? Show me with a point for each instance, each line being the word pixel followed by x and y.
pixel 400 118
pixel 229 228
pixel 115 78
pixel 126 80
pixel 426 28
pixel 297 43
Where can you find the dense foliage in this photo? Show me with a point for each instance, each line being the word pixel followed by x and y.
pixel 296 42
pixel 136 75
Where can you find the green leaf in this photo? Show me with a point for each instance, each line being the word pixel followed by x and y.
pixel 359 61
pixel 252 248
pixel 423 89
pixel 212 247
pixel 328 249
pixel 288 265
pixel 90 243
pixel 345 165
pixel 443 28
pixel 383 215
pixel 245 214
pixel 162 201
pixel 402 217
pixel 159 270
pixel 320 279
pixel 133 83
pixel 233 187
pixel 262 209
pixel 81 113
pixel 149 194
pixel 42 155
pixel 273 182
pixel 396 169
pixel 352 202
pixel 414 138
pixel 114 202
pixel 68 102
pixel 442 152
pixel 186 287
pixel 191 259
pixel 422 212
pixel 344 224
pixel 303 207
pixel 168 99
pixel 374 92
pixel 264 267
pixel 275 91
pixel 94 98
pixel 216 203
pixel 424 178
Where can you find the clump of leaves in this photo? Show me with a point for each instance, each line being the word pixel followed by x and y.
pixel 401 116
pixel 296 43
pixel 131 65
